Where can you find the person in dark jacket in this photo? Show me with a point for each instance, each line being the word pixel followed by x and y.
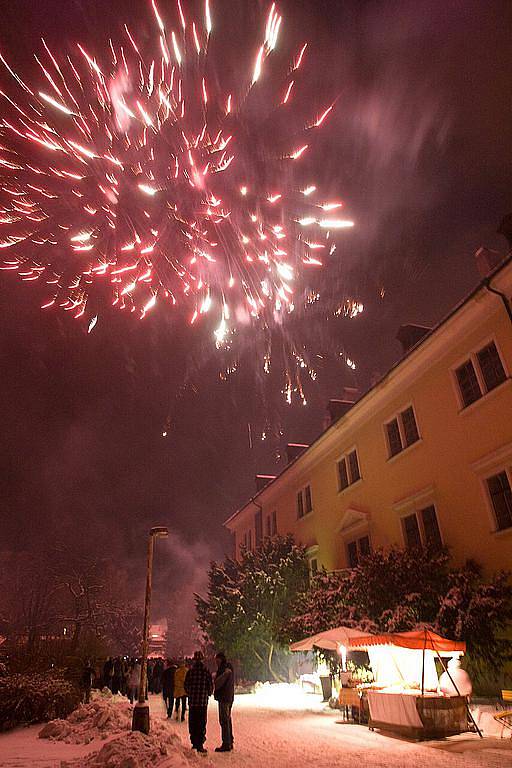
pixel 168 686
pixel 199 687
pixel 108 672
pixel 87 681
pixel 224 694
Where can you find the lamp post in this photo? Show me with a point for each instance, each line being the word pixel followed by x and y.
pixel 140 720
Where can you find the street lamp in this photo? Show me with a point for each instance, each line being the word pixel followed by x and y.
pixel 140 721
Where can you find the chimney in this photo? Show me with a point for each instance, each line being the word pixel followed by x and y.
pixel 487 259
pixel 294 449
pixel 410 334
pixel 336 408
pixel 505 229
pixel 262 481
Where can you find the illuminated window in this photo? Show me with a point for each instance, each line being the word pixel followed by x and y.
pixel 357 549
pixel 348 470
pixel 482 373
pixel 402 431
pixel 501 499
pixel 421 528
pixel 304 501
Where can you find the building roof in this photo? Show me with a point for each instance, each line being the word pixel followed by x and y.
pixel 484 283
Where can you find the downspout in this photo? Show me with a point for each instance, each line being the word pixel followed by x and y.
pixel 506 303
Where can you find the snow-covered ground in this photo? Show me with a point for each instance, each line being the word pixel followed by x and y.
pixel 278 727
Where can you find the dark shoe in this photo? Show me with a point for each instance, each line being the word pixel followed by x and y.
pixel 223 748
pixel 202 750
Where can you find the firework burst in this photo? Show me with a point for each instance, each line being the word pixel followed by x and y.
pixel 138 181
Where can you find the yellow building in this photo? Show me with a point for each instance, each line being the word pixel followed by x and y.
pixel 424 456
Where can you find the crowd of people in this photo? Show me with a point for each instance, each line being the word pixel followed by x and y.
pixel 177 681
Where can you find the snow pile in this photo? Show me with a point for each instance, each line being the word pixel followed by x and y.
pixel 136 750
pixel 102 718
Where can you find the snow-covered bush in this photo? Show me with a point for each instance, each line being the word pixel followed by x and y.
pixel 35 698
pixel 395 590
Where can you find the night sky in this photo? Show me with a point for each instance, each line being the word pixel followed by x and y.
pixel 419 147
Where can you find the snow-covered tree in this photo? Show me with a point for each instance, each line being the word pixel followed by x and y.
pixel 250 601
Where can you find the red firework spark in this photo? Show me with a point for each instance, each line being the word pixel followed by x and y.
pixel 133 179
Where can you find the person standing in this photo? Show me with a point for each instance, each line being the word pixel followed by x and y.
pixel 224 694
pixel 108 673
pixel 117 679
pixel 168 686
pixel 180 695
pixel 134 681
pixel 87 680
pixel 198 687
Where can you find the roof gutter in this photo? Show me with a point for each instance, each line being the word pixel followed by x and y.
pixel 506 303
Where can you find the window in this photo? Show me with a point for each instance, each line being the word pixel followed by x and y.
pixel 431 527
pixel 468 383
pixel 268 529
pixel 274 523
pixel 300 505
pixel 249 540
pixel 348 470
pixel 258 527
pixel 343 474
pixel 402 431
pixel 307 499
pixel 491 366
pixel 353 466
pixel 412 531
pixel 409 424
pixel 357 549
pixel 304 502
pixel 501 499
pixel 422 529
pixel 394 439
pixel 480 374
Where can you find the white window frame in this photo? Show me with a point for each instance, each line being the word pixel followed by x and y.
pixel 472 356
pixel 398 416
pixel 351 483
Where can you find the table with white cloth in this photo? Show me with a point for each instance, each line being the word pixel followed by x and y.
pixel 418 716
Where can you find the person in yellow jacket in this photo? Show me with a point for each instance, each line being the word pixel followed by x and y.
pixel 180 695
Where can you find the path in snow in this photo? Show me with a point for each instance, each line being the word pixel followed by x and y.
pixel 287 730
pixel 299 732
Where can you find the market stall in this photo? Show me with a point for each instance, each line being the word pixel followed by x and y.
pixel 405 696
pixel 339 640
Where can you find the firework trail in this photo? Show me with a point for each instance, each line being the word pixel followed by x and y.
pixel 131 180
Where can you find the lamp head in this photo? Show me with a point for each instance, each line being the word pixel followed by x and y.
pixel 159 532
